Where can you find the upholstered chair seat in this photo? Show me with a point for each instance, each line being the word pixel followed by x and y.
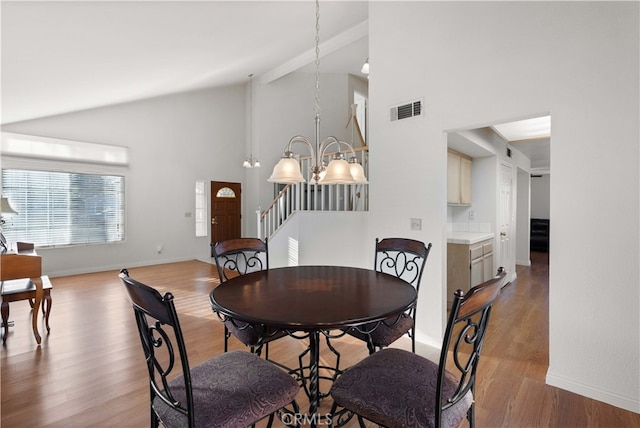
pixel 386 332
pixel 234 389
pixel 384 388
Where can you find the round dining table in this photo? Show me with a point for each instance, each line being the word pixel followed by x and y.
pixel 313 300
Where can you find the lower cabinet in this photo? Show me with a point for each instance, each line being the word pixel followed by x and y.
pixel 468 266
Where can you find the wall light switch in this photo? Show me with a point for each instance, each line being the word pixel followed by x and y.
pixel 416 224
pixel 471 214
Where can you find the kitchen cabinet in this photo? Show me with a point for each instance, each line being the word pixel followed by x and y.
pixel 458 178
pixel 468 265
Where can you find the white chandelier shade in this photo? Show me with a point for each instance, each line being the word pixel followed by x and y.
pixel 287 171
pixel 338 171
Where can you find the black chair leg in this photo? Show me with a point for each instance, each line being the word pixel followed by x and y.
pixel 270 423
pixel 370 345
pixel 336 368
pixel 226 338
pixel 155 422
pixel 412 333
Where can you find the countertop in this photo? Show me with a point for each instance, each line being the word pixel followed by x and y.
pixel 468 238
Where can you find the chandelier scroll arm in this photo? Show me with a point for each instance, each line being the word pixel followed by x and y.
pixel 330 141
pixel 301 139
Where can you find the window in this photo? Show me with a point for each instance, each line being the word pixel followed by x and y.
pixel 64 208
pixel 226 192
pixel 201 209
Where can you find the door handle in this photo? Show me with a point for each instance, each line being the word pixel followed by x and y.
pixel 503 233
pixel 213 220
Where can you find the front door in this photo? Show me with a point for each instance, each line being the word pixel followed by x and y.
pixel 226 211
pixel 506 213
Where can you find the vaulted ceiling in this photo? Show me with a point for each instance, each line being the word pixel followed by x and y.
pixel 60 57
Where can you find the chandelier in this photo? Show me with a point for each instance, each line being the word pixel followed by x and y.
pixel 339 170
pixel 251 162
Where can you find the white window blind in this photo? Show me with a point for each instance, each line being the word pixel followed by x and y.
pixel 62 208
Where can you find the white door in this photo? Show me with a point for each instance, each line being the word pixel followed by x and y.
pixel 505 219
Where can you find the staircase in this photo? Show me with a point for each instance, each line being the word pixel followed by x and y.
pixel 309 196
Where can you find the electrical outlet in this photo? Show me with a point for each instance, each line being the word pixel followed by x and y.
pixel 415 224
pixel 471 214
pixel 159 248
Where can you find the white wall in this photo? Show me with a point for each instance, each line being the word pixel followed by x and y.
pixel 298 242
pixel 523 218
pixel 479 63
pixel 540 196
pixel 173 141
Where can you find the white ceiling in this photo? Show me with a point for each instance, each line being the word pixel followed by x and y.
pixel 526 129
pixel 532 137
pixel 59 57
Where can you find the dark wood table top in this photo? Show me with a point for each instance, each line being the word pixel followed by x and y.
pixel 313 297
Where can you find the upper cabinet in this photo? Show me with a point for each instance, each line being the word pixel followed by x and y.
pixel 458 178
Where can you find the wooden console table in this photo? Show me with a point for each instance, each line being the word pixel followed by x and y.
pixel 26 267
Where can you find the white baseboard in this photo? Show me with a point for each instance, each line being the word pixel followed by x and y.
pixel 631 404
pixel 104 268
pixel 523 262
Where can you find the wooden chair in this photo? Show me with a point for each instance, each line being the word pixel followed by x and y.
pixel 21 279
pixel 405 259
pixel 235 389
pixel 24 289
pixel 239 257
pixel 397 388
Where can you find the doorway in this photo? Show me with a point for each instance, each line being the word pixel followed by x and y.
pixel 499 152
pixel 226 211
pixel 505 220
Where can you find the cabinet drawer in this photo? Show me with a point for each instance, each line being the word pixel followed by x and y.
pixel 487 248
pixel 475 251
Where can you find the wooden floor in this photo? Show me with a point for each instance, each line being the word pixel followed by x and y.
pixel 89 372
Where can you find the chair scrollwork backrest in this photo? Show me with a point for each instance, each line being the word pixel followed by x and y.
pixel 240 256
pixel 464 337
pixel 403 258
pixel 160 334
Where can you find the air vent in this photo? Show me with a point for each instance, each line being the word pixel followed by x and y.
pixel 406 111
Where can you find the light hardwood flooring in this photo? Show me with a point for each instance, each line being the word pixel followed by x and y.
pixel 89 372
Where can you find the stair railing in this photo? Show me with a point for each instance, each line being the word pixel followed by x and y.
pixel 310 196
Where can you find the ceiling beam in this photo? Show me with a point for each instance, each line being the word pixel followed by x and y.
pixel 333 44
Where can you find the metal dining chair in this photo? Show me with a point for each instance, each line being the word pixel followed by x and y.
pixel 405 259
pixel 234 389
pixel 397 388
pixel 239 257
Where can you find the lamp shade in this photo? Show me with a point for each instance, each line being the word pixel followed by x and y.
pixel 286 171
pixel 5 206
pixel 357 172
pixel 365 67
pixel 338 172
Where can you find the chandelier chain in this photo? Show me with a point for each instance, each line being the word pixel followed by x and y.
pixel 317 57
pixel 251 116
